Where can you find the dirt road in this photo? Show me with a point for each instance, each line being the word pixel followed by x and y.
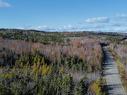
pixel 111 74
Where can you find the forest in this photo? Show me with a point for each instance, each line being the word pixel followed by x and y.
pixel 57 63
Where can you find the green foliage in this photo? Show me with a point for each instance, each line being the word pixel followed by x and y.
pixel 33 36
pixel 49 68
pixel 114 39
pixel 4 90
pixel 82 88
pixel 95 87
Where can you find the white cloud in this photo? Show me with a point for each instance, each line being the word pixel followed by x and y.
pixel 121 15
pixel 4 4
pixel 40 27
pixel 97 20
pixel 116 23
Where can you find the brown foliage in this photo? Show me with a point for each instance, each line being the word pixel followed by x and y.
pixel 87 49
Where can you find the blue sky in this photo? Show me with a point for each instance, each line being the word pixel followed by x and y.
pixel 98 15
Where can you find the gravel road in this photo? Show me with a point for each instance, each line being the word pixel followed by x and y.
pixel 111 74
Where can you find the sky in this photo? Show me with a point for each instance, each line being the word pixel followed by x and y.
pixel 64 15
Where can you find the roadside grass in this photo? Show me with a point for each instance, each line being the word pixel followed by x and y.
pixel 123 73
pixel 97 86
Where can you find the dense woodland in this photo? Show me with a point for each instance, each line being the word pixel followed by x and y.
pixel 54 63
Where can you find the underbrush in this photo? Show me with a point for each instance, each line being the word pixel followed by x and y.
pixel 96 87
pixel 38 69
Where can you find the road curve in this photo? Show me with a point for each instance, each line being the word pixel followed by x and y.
pixel 111 74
